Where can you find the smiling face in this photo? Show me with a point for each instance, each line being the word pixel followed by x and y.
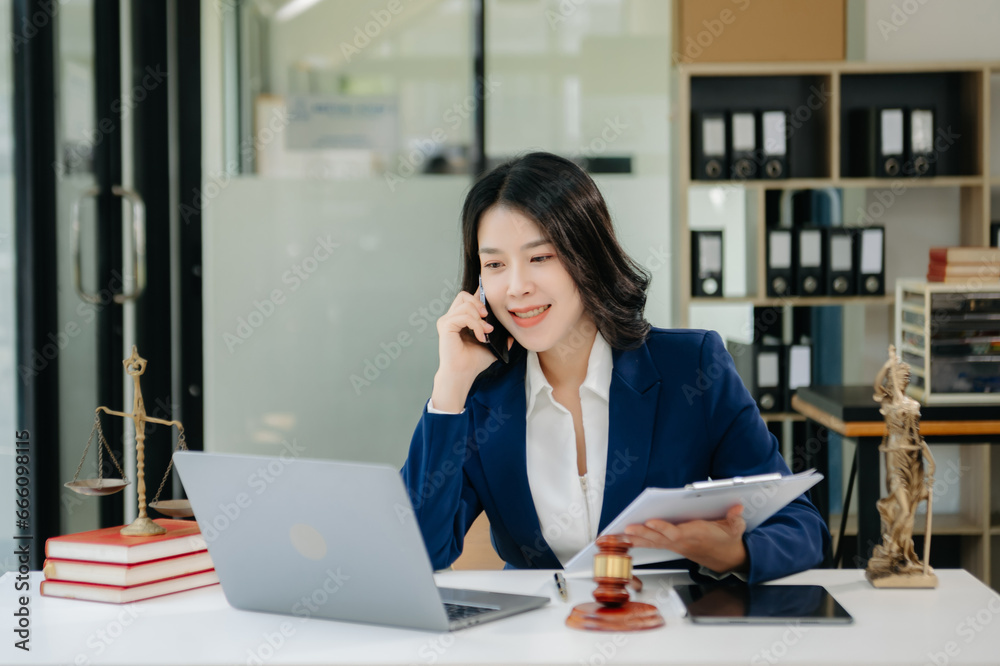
pixel 527 287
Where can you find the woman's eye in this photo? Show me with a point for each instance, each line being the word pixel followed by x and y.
pixel 492 264
pixel 541 258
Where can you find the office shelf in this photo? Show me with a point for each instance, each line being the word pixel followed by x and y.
pixel 777 184
pixel 838 67
pixel 801 301
pixel 903 182
pixel 821 141
pixel 820 157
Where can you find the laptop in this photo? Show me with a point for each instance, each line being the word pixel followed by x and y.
pixel 327 539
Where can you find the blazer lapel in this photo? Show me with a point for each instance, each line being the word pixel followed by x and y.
pixel 635 388
pixel 502 407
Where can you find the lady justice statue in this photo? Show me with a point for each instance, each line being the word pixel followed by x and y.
pixel 894 563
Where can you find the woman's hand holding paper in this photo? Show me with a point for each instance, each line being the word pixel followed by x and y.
pixel 716 544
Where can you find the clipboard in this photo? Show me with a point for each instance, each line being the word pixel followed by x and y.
pixel 761 496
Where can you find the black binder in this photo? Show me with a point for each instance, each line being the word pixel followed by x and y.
pixel 808 257
pixel 706 263
pixel 743 131
pixel 798 370
pixel 994 234
pixel 762 368
pixel 920 143
pixel 709 140
pixel 779 262
pixel 869 261
pixel 877 137
pixel 774 144
pixel 839 260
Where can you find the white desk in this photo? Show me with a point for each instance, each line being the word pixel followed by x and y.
pixel 198 627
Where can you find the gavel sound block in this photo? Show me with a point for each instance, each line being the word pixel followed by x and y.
pixel 613 610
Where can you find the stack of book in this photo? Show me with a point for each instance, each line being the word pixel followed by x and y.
pixel 964 264
pixel 103 565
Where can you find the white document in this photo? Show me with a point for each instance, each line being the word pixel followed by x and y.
pixel 871 251
pixel 892 131
pixel 841 258
pixel 921 131
pixel 713 139
pixel 811 248
pixel 760 500
pixel 709 253
pixel 800 366
pixel 781 248
pixel 744 131
pixel 774 132
pixel 768 369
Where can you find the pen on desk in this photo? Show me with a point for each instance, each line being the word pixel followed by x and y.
pixel 561 586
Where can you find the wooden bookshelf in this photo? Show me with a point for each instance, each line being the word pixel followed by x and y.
pixel 960 93
pixel 841 84
pixel 802 301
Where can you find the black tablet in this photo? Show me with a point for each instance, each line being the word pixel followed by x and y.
pixel 761 604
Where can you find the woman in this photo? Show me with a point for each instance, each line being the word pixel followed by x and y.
pixel 594 404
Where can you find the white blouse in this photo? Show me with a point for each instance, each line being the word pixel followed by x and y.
pixel 568 505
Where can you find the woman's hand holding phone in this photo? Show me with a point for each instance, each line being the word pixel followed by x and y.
pixel 462 351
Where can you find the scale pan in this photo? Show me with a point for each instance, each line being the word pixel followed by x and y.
pixel 96 486
pixel 176 508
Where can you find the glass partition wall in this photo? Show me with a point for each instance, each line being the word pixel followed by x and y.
pixel 332 249
pixel 340 140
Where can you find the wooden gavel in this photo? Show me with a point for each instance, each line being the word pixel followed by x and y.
pixel 613 611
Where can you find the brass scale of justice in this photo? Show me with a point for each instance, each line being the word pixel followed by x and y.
pixel 143 525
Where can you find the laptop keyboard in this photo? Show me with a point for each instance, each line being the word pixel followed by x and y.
pixel 461 611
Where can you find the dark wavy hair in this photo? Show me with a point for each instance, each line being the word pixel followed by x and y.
pixel 568 208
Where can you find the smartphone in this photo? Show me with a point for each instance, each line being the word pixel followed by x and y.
pixel 496 340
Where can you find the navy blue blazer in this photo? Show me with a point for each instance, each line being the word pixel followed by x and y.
pixel 678 412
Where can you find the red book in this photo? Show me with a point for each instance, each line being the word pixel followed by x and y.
pixel 119 594
pixel 963 279
pixel 963 270
pixel 126 575
pixel 966 255
pixel 107 545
